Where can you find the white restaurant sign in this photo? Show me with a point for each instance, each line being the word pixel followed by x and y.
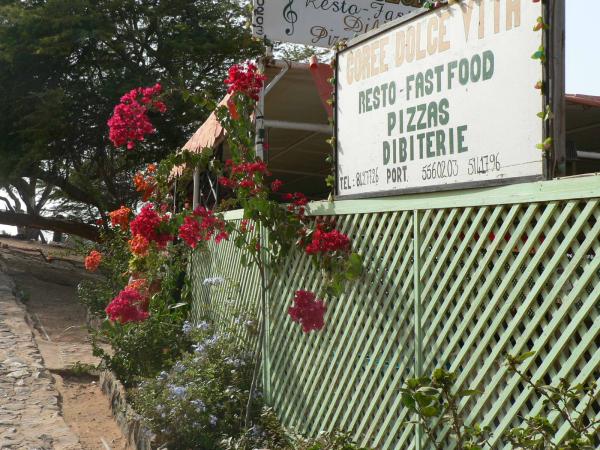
pixel 440 101
pixel 323 23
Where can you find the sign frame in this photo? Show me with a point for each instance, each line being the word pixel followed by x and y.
pixel 554 91
pixel 343 19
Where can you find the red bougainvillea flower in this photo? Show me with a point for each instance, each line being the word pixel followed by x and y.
pixel 93 260
pixel 120 217
pixel 139 284
pixel 147 224
pixel 308 311
pixel 245 226
pixel 139 245
pixel 128 306
pixel 245 79
pixel 142 286
pixel 232 107
pixel 246 175
pixel 202 225
pixel 130 123
pixel 144 185
pixel 298 202
pixel 276 185
pixel 327 242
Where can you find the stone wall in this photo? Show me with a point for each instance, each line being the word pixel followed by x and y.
pixel 131 424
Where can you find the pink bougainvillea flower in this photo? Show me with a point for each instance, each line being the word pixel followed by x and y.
pixel 130 123
pixel 128 306
pixel 308 311
pixel 92 261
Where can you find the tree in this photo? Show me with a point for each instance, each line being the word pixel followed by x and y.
pixel 65 63
pixel 27 197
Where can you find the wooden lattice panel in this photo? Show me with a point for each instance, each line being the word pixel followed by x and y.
pixel 232 304
pixel 509 271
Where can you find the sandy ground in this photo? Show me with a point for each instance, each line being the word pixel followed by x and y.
pixel 47 284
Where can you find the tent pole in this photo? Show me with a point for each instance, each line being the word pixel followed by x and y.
pixel 195 197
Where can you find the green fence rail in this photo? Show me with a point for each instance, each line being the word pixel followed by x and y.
pixel 452 280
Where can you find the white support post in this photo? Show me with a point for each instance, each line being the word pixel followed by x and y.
pixel 259 117
pixel 196 194
pixel 300 126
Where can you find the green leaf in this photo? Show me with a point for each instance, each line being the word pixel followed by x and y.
pixel 523 356
pixel 430 411
pixel 424 399
pixel 355 266
pixel 178 305
pixel 469 392
pixel 408 401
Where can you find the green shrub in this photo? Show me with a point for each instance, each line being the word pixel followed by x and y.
pixel 143 349
pixel 203 397
pixel 268 433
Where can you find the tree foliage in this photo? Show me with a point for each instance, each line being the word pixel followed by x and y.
pixel 65 63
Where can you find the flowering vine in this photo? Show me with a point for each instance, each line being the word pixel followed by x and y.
pixel 275 223
pixel 130 122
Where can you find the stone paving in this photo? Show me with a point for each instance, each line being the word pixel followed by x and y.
pixel 30 416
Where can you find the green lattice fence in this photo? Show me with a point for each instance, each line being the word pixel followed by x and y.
pixel 232 303
pixel 452 280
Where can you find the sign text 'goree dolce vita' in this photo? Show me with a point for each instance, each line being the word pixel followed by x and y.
pixel 440 101
pixel 323 23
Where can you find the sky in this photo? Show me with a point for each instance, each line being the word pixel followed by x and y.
pixel 582 53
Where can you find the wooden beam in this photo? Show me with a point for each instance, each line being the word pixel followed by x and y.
pixel 556 68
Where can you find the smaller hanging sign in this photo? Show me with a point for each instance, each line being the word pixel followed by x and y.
pixel 322 23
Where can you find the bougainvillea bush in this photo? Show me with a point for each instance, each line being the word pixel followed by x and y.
pixel 144 300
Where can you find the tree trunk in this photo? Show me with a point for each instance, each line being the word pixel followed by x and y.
pixel 46 223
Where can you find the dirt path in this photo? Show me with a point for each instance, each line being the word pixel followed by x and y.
pixel 47 284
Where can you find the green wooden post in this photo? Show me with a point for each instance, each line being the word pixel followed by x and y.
pixel 265 302
pixel 418 312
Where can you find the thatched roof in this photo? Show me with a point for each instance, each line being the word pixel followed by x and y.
pixel 210 134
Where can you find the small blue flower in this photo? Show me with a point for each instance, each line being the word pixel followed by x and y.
pixel 211 340
pixel 162 376
pixel 235 362
pixel 203 326
pixel 187 327
pixel 177 391
pixel 179 367
pixel 198 348
pixel 213 281
pixel 212 420
pixel 256 431
pixel 199 405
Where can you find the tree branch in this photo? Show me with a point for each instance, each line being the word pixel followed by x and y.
pixel 8 205
pixel 45 223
